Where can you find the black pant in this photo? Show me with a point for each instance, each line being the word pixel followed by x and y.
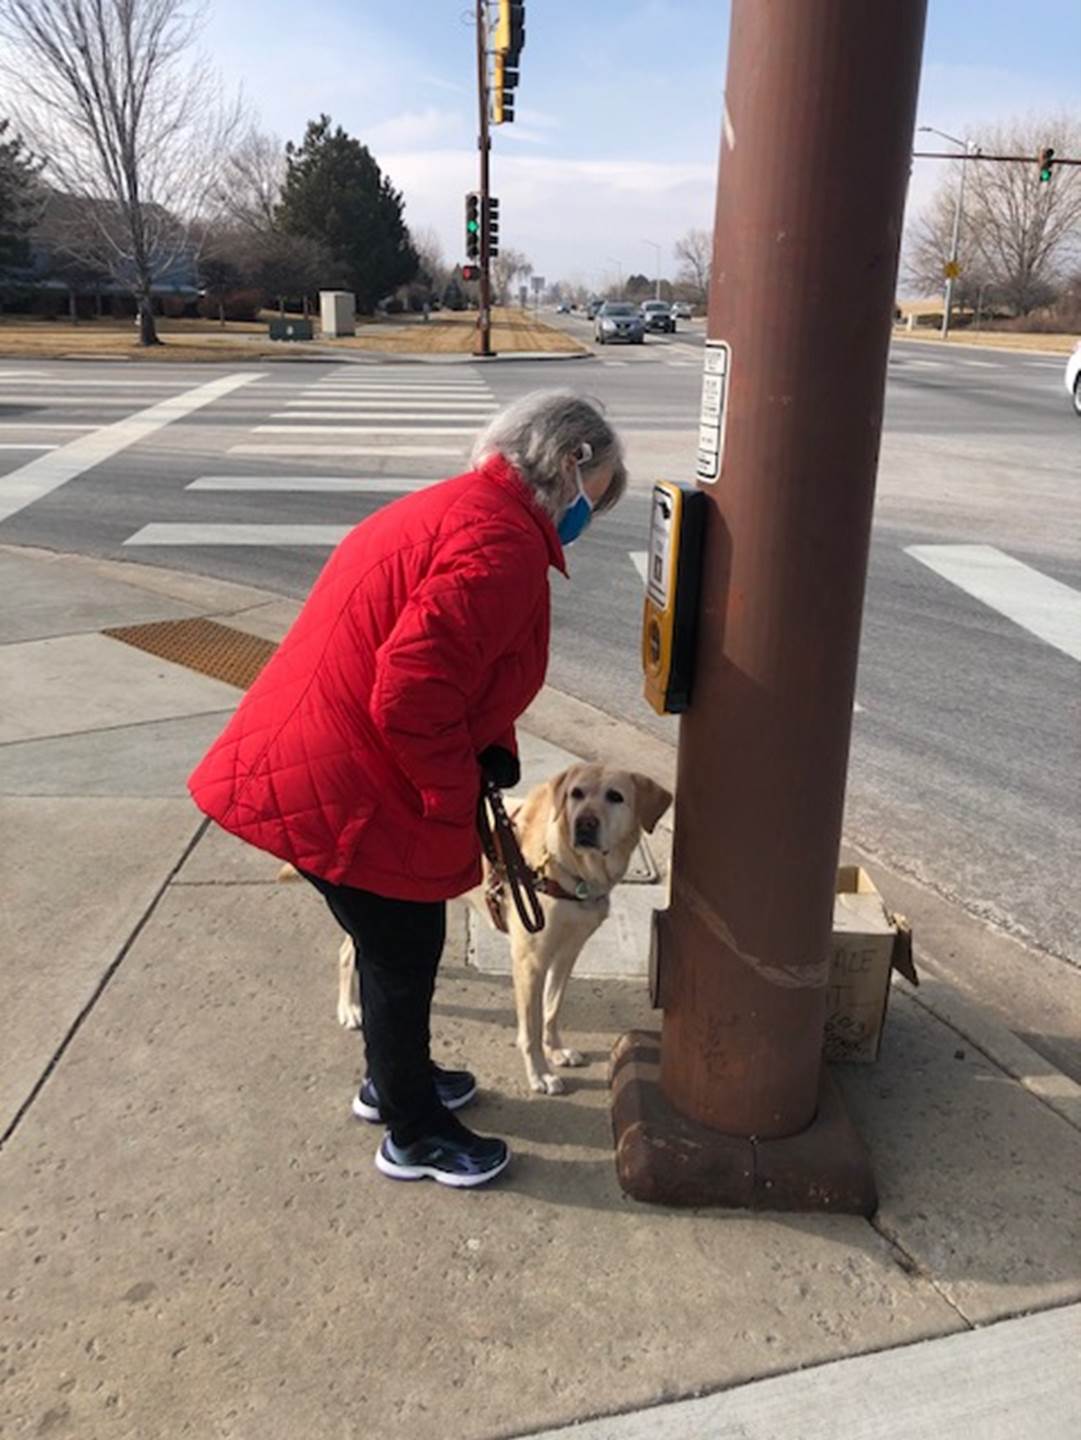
pixel 398 945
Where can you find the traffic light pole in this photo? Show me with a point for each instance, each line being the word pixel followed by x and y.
pixel 732 1105
pixel 484 319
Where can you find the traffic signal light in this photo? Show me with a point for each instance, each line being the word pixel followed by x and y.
pixel 491 225
pixel 472 225
pixel 470 272
pixel 1047 159
pixel 510 31
pixel 504 79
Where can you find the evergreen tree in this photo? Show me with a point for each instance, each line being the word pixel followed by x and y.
pixel 335 192
pixel 19 198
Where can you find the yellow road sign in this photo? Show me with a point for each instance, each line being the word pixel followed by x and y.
pixel 951 269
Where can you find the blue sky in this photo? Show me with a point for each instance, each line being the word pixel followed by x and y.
pixel 616 137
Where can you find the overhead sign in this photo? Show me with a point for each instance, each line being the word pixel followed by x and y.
pixel 538 282
pixel 715 372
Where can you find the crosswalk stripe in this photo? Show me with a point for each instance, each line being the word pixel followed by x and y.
pixel 361 413
pixel 365 429
pixel 316 452
pixel 15 445
pixel 195 534
pixel 42 425
pixel 21 487
pixel 1045 607
pixel 385 484
pixel 406 392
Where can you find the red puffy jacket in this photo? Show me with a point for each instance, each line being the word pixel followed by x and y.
pixel 354 754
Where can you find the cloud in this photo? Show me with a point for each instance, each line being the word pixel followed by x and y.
pixel 415 128
pixel 570 216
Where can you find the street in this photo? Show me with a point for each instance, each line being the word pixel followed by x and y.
pixel 963 767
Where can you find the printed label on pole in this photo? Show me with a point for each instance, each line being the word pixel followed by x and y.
pixel 658 577
pixel 715 371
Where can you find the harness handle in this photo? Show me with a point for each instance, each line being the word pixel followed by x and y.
pixel 500 845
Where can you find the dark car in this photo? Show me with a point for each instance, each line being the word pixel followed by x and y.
pixel 619 320
pixel 657 315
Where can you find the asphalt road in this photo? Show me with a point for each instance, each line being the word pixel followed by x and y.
pixel 964 758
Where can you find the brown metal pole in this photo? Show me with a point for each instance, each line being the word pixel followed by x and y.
pixel 484 319
pixel 817 135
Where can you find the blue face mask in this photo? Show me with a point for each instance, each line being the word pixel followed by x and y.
pixel 578 514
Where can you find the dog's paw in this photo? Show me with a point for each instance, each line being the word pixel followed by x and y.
pixel 349 1016
pixel 547 1085
pixel 567 1057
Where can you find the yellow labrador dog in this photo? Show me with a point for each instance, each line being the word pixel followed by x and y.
pixel 577 832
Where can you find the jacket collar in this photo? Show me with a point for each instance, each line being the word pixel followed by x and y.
pixel 503 473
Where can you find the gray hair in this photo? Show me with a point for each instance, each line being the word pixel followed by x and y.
pixel 536 434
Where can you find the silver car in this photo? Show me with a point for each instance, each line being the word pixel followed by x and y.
pixel 619 320
pixel 658 315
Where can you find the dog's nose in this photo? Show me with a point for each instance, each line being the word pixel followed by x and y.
pixel 586 830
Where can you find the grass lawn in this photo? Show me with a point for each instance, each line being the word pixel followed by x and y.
pixel 446 333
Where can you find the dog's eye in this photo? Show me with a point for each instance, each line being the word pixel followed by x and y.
pixel 614 797
pixel 578 793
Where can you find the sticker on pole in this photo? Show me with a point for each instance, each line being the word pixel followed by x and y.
pixel 718 363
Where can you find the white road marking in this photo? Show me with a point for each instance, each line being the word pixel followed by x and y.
pixel 351 410
pixel 613 362
pixel 389 484
pixel 365 429
pixel 191 534
pixel 341 402
pixel 337 392
pixel 14 445
pixel 39 477
pixel 42 425
pixel 982 364
pixel 126 382
pixel 1045 607
pixel 315 452
pixel 924 364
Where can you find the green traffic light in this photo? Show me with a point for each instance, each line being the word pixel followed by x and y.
pixel 472 226
pixel 1045 176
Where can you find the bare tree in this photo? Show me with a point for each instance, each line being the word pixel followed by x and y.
pixel 102 89
pixel 928 249
pixel 1027 232
pixel 507 266
pixel 249 189
pixel 433 267
pixel 1020 236
pixel 694 251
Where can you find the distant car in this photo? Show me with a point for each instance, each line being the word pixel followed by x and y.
pixel 657 315
pixel 1073 378
pixel 592 307
pixel 682 310
pixel 563 308
pixel 619 320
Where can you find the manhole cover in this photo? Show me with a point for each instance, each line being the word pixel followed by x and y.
pixel 216 650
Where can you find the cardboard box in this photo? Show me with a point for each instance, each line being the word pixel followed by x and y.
pixel 869 943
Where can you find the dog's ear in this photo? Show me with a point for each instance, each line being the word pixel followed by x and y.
pixel 652 801
pixel 558 786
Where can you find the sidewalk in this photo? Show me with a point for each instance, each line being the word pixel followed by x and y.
pixel 196 1239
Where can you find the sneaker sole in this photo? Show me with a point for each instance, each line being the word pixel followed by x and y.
pixel 374 1115
pixel 429 1172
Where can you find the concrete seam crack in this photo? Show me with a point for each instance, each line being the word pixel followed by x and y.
pixel 101 986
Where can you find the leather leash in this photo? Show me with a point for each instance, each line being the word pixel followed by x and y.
pixel 500 845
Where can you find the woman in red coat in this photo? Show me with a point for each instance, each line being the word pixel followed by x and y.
pixel 358 753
